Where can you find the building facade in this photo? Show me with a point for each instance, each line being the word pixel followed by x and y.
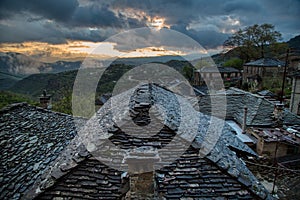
pixel 275 142
pixel 209 75
pixel 256 72
pixel 295 96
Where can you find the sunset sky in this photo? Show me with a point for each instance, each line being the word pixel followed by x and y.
pixel 53 30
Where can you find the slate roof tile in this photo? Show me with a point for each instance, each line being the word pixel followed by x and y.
pixel 66 169
pixel 265 62
pixel 260 110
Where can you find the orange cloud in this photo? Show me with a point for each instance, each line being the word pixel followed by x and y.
pixel 79 50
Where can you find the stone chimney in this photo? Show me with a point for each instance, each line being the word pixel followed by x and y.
pixel 244 125
pixel 45 100
pixel 141 160
pixel 278 114
pixel 141 174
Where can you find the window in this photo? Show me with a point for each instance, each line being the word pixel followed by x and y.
pixel 292 150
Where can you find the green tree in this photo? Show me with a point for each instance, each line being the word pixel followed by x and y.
pixel 253 40
pixel 7 98
pixel 204 62
pixel 234 62
pixel 64 105
pixel 188 72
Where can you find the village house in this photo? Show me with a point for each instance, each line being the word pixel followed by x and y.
pixel 255 72
pixel 264 122
pixel 276 142
pixel 207 75
pixel 44 158
pixel 295 96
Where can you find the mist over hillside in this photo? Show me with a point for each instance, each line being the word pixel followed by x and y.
pixel 20 64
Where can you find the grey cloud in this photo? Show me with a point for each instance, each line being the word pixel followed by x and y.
pixel 26 31
pixel 67 12
pixel 51 32
pixel 51 9
pixel 95 15
pixel 242 6
pixel 72 20
pixel 206 38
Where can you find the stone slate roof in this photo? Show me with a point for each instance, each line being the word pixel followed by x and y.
pixel 31 139
pixel 218 70
pixel 260 110
pixel 266 93
pixel 280 134
pixel 89 180
pixel 195 178
pixel 44 157
pixel 265 62
pixel 228 69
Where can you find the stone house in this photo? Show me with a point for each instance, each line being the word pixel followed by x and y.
pixel 257 71
pixel 207 75
pixel 261 121
pixel 44 156
pixel 295 96
pixel 275 142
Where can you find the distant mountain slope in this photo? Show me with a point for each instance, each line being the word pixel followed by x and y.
pixel 19 64
pixel 61 84
pixel 16 63
pixel 144 60
pixel 7 80
pixel 56 84
pixel 294 43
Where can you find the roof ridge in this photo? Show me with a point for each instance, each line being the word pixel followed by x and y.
pixel 245 92
pixel 257 106
pixel 12 106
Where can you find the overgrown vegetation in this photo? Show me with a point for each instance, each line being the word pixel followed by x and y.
pixel 255 41
pixel 188 72
pixel 64 105
pixel 7 98
pixel 234 62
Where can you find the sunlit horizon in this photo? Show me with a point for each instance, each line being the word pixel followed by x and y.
pixel 80 50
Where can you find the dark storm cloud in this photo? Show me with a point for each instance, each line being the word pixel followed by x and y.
pixel 208 22
pixel 50 9
pixel 30 32
pixel 242 6
pixel 206 38
pixel 49 31
pixel 95 15
pixel 27 20
pixel 213 28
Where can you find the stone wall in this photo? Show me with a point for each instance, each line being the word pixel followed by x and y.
pixel 141 186
pixel 270 147
pixel 295 97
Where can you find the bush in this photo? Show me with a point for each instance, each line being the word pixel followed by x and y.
pixel 234 62
pixel 7 98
